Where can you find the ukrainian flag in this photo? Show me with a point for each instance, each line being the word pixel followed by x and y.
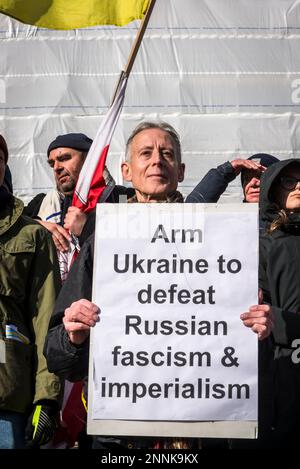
pixel 72 14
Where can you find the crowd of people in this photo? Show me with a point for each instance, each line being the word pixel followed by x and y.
pixel 46 316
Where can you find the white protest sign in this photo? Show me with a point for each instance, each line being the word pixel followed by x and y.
pixel 171 281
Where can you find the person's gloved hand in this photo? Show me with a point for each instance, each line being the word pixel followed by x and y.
pixel 42 423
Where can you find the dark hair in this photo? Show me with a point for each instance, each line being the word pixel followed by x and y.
pixel 282 215
pixel 3 147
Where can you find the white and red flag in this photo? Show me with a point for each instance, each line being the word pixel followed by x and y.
pixel 89 188
pixel 91 184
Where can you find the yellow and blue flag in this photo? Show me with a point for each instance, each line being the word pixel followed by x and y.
pixel 66 14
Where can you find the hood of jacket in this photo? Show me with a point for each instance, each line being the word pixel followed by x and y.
pixel 10 212
pixel 268 208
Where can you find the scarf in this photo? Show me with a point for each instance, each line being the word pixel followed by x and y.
pixel 176 197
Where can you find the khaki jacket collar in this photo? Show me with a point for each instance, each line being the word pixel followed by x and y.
pixel 10 215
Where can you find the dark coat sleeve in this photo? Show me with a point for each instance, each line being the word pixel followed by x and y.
pixel 278 281
pixel 113 197
pixel 63 358
pixel 32 209
pixel 212 186
pixel 89 227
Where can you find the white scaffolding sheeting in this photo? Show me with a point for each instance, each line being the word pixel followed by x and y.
pixel 225 73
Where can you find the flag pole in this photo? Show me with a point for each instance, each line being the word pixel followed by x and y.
pixel 139 38
pixel 135 47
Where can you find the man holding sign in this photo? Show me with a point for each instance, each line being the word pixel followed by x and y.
pixel 153 166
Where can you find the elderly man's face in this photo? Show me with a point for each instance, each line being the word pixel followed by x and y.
pixel 2 167
pixel 66 164
pixel 153 169
pixel 251 186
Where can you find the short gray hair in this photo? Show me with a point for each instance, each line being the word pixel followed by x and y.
pixel 155 125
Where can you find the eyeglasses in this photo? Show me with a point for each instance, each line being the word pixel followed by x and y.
pixel 288 182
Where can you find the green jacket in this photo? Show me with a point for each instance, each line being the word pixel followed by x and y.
pixel 29 285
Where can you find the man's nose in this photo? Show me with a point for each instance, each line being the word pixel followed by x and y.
pixel 255 182
pixel 57 167
pixel 156 156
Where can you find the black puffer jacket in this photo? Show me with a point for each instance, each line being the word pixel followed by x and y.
pixel 279 278
pixel 65 359
pixel 213 184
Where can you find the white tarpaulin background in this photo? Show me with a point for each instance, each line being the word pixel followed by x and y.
pixel 225 73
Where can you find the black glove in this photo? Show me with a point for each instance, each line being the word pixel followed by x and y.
pixel 42 424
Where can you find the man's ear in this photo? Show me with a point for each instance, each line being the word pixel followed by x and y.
pixel 181 170
pixel 126 171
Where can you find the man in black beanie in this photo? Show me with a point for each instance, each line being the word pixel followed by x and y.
pixel 66 155
pixel 215 182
